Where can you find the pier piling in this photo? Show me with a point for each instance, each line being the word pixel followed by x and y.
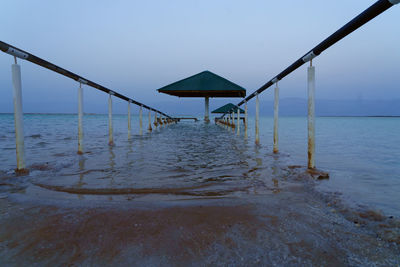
pixel 18 116
pixel 311 116
pixel 149 129
pixel 238 121
pixel 257 138
pixel 129 119
pixel 141 120
pixel 245 119
pixel 80 119
pixel 276 114
pixel 110 125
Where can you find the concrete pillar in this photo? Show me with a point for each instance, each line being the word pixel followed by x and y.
pixel 238 121
pixel 129 119
pixel 150 129
pixel 257 120
pixel 18 117
pixel 233 119
pixel 276 114
pixel 311 117
pixel 110 125
pixel 245 119
pixel 207 113
pixel 155 120
pixel 80 119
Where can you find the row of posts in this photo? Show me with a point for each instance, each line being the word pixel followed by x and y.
pixel 19 127
pixel 229 119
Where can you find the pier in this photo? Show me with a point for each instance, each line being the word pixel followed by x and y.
pixel 205 85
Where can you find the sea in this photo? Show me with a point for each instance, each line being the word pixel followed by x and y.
pixel 196 164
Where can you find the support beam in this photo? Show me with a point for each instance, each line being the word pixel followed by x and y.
pixel 110 125
pixel 257 139
pixel 276 114
pixel 311 117
pixel 141 120
pixel 233 120
pixel 207 113
pixel 245 119
pixel 149 129
pixel 80 119
pixel 238 121
pixel 18 117
pixel 129 119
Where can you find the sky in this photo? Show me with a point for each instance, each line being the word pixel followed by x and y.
pixel 136 47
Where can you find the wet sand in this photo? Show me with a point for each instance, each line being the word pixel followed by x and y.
pixel 287 223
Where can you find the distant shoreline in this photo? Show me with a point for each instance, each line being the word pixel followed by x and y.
pixel 323 116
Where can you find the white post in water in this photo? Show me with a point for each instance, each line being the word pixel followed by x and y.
pixel 141 120
pixel 311 116
pixel 257 120
pixel 155 120
pixel 129 119
pixel 245 119
pixel 233 120
pixel 80 119
pixel 276 114
pixel 207 103
pixel 19 126
pixel 110 126
pixel 150 129
pixel 238 121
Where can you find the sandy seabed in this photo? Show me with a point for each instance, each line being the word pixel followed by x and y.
pixel 287 224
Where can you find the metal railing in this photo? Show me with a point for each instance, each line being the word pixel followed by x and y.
pixel 18 113
pixel 370 13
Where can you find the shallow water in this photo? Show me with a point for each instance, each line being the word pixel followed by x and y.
pixel 193 193
pixel 362 156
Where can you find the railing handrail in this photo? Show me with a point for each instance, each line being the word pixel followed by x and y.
pixel 370 13
pixel 14 51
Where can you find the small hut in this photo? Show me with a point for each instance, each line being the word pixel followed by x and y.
pixel 204 84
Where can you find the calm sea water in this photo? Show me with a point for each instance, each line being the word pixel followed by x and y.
pixel 194 159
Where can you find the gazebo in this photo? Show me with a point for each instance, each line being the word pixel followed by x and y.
pixel 204 84
pixel 227 108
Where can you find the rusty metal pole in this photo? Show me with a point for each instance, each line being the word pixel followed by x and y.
pixel 257 139
pixel 18 116
pixel 80 119
pixel 155 120
pixel 276 114
pixel 245 119
pixel 311 116
pixel 150 129
pixel 238 121
pixel 110 125
pixel 141 120
pixel 129 119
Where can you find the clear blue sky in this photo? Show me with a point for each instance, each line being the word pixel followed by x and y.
pixel 135 47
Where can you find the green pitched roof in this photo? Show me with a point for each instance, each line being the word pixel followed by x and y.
pixel 228 108
pixel 204 84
